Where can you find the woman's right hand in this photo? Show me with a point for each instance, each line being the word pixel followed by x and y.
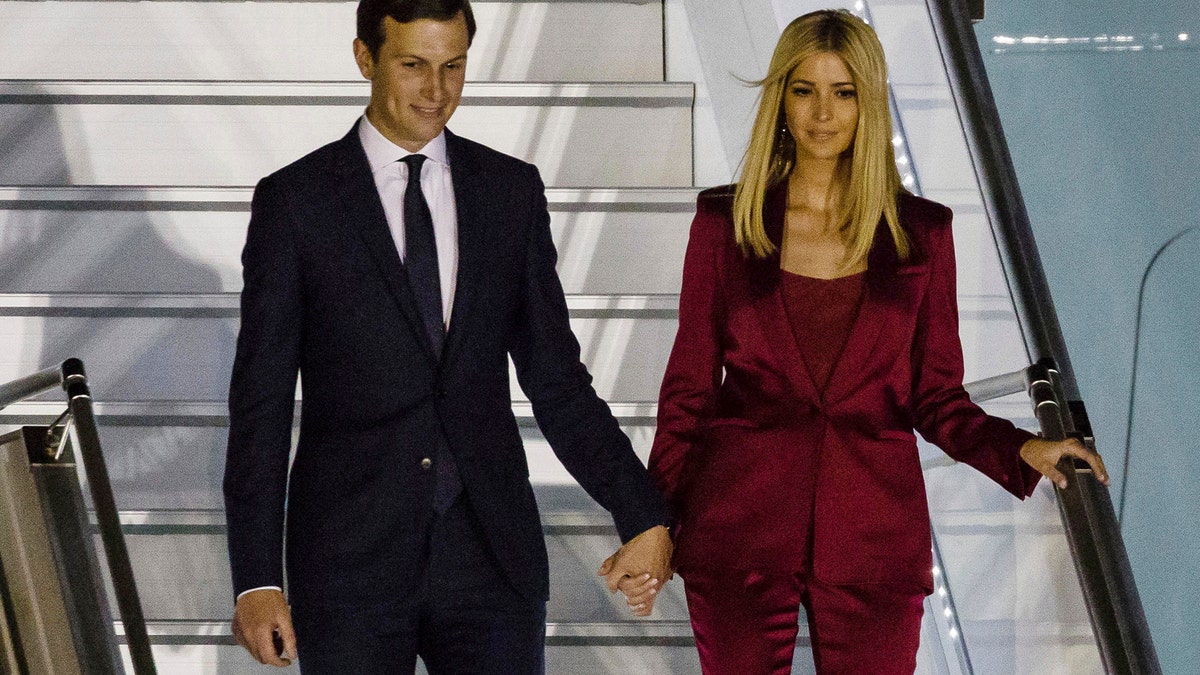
pixel 641 592
pixel 1044 456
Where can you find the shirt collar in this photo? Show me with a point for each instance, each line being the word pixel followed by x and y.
pixel 382 153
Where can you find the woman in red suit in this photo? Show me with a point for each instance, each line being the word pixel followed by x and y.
pixel 818 328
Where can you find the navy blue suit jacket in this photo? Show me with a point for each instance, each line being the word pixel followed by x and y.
pixel 326 295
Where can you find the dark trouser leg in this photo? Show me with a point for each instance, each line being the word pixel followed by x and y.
pixel 473 621
pixel 868 628
pixel 467 619
pixel 377 640
pixel 745 622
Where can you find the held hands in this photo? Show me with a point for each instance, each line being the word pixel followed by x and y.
pixel 640 568
pixel 1044 455
pixel 260 619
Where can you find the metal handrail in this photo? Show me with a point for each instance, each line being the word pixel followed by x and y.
pixel 1114 606
pixel 997 386
pixel 73 379
pixel 1001 192
pixel 30 385
pixel 1111 594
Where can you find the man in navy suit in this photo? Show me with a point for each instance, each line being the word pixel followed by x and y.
pixel 398 269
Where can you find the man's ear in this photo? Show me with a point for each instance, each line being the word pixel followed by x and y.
pixel 362 56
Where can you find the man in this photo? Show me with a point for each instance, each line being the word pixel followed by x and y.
pixel 397 269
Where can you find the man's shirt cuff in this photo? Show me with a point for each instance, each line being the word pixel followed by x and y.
pixel 259 588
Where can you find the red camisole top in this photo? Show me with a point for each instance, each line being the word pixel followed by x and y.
pixel 821 313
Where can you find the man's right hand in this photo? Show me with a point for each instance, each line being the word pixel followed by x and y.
pixel 258 617
pixel 640 568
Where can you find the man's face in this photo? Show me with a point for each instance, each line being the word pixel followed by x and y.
pixel 416 79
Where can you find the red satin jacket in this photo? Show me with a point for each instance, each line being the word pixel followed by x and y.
pixel 740 423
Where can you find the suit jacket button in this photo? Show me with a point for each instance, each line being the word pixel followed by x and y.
pixel 427 464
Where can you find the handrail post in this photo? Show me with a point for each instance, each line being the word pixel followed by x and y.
pixel 79 400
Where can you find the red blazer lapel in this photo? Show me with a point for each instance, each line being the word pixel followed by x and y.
pixel 891 296
pixel 768 299
pixel 892 291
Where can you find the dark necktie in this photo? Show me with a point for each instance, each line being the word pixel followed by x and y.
pixel 421 259
pixel 421 264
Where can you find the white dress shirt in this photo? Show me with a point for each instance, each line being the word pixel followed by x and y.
pixel 391 180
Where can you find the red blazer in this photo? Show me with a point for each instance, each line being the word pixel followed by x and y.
pixel 741 424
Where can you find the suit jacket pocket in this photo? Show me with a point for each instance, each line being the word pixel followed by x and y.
pixel 739 422
pixel 895 435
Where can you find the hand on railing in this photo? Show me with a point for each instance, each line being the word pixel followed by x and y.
pixel 1044 456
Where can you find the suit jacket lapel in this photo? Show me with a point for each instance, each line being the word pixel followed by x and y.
pixel 768 298
pixel 470 199
pixel 861 344
pixel 364 214
pixel 853 363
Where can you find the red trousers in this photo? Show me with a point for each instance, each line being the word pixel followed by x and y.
pixel 746 623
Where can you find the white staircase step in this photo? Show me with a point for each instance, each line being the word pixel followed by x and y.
pixel 136 351
pixel 151 414
pixel 1011 573
pixel 180 347
pixel 640 647
pixel 166 460
pixel 162 466
pixel 345 92
pixel 237 198
pixel 631 633
pixel 266 40
pixel 181 564
pixel 171 455
pixel 225 305
pixel 202 133
pixel 157 415
pixel 942 165
pixel 189 240
pixel 175 659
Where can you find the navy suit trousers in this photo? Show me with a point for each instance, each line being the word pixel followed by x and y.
pixel 466 619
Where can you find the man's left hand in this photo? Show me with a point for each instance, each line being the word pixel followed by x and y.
pixel 640 568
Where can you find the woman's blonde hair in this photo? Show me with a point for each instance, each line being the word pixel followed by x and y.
pixel 874 182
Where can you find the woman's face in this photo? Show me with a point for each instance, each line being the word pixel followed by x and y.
pixel 820 104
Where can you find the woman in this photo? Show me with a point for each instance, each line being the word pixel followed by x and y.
pixel 817 328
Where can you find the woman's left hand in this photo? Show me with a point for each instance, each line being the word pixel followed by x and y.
pixel 1044 455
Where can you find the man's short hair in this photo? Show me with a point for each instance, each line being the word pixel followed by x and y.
pixel 372 12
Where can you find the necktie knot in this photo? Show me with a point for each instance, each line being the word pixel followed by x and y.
pixel 414 162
